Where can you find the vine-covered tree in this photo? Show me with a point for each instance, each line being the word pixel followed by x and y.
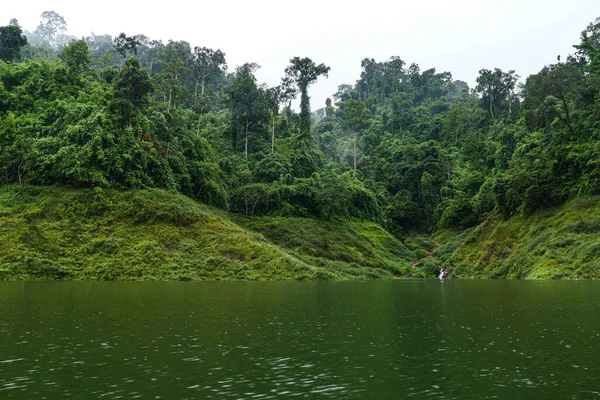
pixel 305 72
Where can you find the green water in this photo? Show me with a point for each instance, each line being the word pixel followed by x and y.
pixel 347 340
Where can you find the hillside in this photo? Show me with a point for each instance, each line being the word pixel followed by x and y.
pixel 151 234
pixel 559 243
pixel 337 244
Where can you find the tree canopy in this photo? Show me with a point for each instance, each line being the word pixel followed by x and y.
pixel 411 149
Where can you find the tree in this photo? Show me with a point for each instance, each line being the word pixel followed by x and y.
pixel 132 89
pixel 273 98
pixel 77 56
pixel 208 64
pixel 125 44
pixel 175 59
pixel 589 48
pixel 558 83
pixel 344 195
pixel 51 26
pixel 465 117
pixel 244 101
pixel 305 72
pixel 329 110
pixel 495 87
pixel 11 41
pixel 284 93
pixel 152 50
pixel 17 156
pixel 287 92
pixel 356 114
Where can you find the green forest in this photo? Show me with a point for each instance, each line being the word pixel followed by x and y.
pixel 398 173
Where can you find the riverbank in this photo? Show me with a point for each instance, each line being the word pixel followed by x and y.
pixel 151 234
pixel 557 243
pixel 64 233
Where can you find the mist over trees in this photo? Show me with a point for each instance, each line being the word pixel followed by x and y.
pixel 412 149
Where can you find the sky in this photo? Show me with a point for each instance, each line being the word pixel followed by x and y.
pixel 459 36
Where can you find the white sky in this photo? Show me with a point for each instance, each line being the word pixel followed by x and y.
pixel 460 36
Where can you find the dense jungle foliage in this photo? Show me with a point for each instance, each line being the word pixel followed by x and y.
pixel 412 150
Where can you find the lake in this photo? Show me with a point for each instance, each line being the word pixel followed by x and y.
pixel 342 340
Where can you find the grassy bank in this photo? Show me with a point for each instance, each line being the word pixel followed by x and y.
pixel 150 234
pixel 563 242
pixel 349 245
pixel 66 233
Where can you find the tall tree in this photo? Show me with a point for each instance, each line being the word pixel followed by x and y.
pixel 176 62
pixel 51 27
pixel 495 87
pixel 273 98
pixel 356 114
pixel 305 72
pixel 77 56
pixel 148 52
pixel 287 92
pixel 555 84
pixel 132 90
pixel 11 41
pixel 207 65
pixel 244 101
pixel 126 44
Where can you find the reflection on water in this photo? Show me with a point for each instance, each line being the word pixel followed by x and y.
pixel 347 340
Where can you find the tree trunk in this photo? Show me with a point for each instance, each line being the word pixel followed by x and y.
pixel 355 135
pixel 199 191
pixel 202 103
pixel 170 96
pixel 255 203
pixel 567 115
pixel 273 136
pixel 246 139
pixel 164 173
pixel 304 111
pixel 21 168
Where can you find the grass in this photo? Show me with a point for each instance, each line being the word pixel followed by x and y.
pixel 344 246
pixel 561 243
pixel 51 232
pixel 93 234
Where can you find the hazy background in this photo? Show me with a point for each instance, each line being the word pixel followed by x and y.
pixel 460 36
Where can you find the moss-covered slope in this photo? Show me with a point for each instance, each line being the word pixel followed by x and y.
pixel 559 243
pixel 346 245
pixel 66 233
